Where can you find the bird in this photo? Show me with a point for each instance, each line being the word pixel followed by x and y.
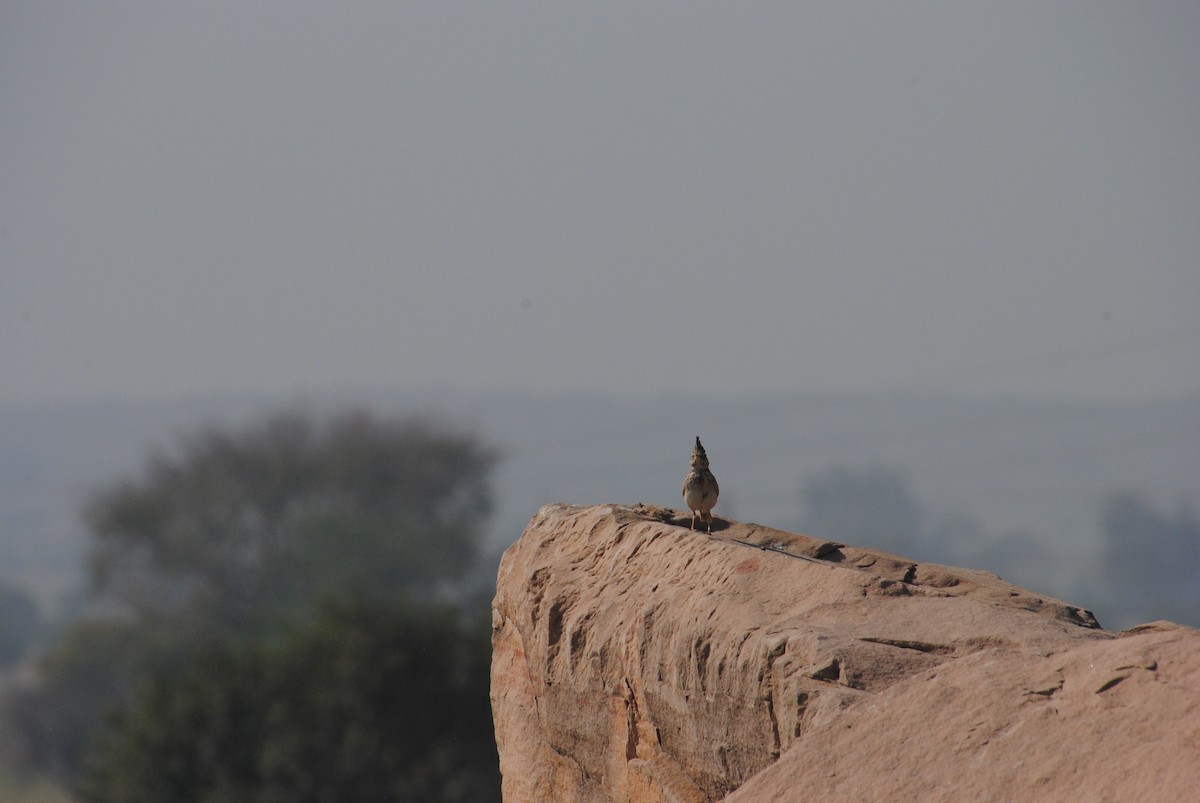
pixel 700 487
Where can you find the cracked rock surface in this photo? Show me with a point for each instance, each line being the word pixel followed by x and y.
pixel 634 659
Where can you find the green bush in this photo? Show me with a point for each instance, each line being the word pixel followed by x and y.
pixel 369 703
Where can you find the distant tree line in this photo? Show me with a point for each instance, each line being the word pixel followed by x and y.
pixel 284 624
pixel 1151 560
pixel 1148 568
pixel 20 624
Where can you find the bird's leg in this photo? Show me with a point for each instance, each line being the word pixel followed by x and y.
pixel 693 524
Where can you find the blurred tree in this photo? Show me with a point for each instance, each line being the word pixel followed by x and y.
pixel 96 662
pixel 371 703
pixel 1150 561
pixel 871 508
pixel 20 624
pixel 244 523
pixel 232 544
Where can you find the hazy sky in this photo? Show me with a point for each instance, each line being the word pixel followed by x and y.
pixel 624 196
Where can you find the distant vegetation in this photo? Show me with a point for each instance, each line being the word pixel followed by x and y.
pixel 20 624
pixel 284 624
pixel 1149 567
pixel 366 702
pixel 1151 560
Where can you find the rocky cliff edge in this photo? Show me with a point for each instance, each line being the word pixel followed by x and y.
pixel 637 660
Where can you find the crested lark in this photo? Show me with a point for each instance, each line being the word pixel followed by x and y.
pixel 700 488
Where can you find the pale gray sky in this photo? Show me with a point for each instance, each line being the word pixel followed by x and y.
pixel 980 197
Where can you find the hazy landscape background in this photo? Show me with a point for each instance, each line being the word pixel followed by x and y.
pixel 1021 484
pixel 956 243
pixel 942 259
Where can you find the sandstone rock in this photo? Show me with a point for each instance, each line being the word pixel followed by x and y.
pixel 635 659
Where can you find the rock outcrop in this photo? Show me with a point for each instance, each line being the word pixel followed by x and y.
pixel 634 659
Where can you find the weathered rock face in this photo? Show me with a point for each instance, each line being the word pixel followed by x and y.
pixel 634 659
